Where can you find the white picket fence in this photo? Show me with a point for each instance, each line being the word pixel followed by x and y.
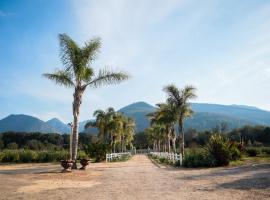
pixel 111 156
pixel 170 156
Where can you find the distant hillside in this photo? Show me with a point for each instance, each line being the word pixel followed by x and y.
pixel 138 112
pixel 58 125
pixel 25 123
pixel 207 116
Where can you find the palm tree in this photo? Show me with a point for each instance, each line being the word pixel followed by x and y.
pixel 179 100
pixel 79 74
pixel 164 115
pixel 103 119
pixel 128 132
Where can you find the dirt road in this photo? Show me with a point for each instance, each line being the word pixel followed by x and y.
pixel 138 178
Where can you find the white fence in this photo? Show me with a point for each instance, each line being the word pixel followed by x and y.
pixel 170 156
pixel 112 156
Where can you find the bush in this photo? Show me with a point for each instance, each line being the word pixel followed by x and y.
pixel 10 156
pixel 27 156
pixel 12 145
pixel 198 158
pixel 266 150
pixel 257 144
pixel 251 151
pixel 97 151
pixel 122 158
pixel 235 151
pixel 219 148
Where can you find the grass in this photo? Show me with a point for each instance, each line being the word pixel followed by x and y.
pixel 250 160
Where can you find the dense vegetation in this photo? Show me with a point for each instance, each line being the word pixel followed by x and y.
pixel 40 141
pixel 115 129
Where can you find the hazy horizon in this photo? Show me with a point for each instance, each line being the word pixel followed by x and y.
pixel 221 47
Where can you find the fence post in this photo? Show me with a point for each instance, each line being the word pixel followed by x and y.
pixel 181 159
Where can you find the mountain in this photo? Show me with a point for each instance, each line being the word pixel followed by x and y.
pixel 58 125
pixel 206 116
pixel 24 123
pixel 246 113
pixel 138 112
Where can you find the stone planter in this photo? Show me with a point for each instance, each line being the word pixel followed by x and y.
pixel 84 162
pixel 67 165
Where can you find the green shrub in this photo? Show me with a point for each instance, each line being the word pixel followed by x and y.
pixel 97 151
pixel 12 145
pixel 198 158
pixel 252 151
pixel 10 156
pixel 257 144
pixel 27 156
pixel 219 147
pixel 122 158
pixel 266 150
pixel 235 151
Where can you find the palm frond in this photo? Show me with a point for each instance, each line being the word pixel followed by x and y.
pixel 99 112
pixel 188 93
pixel 172 92
pixel 61 77
pixel 69 51
pixel 90 50
pixel 90 124
pixel 87 74
pixel 107 77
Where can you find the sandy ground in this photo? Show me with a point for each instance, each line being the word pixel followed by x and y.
pixel 138 178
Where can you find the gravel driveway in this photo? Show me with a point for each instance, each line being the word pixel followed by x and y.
pixel 139 178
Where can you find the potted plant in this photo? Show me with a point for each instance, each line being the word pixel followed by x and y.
pixel 84 162
pixel 67 165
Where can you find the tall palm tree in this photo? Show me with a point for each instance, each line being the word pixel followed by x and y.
pixel 79 74
pixel 179 100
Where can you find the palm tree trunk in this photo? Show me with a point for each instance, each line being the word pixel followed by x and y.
pixel 169 145
pixel 75 132
pixel 181 138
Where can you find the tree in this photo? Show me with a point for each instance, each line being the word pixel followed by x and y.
pixel 179 100
pixel 114 128
pixel 79 74
pixel 102 122
pixel 165 115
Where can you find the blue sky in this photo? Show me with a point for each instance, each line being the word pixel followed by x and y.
pixel 221 47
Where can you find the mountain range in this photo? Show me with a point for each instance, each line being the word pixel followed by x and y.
pixel 206 116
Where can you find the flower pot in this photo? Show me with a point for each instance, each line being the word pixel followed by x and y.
pixel 67 165
pixel 84 162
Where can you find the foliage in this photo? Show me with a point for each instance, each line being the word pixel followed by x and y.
pixel 122 158
pixel 41 141
pixel 27 156
pixel 266 150
pixel 140 141
pixel 253 151
pixel 219 147
pixel 12 145
pixel 97 151
pixel 114 128
pixel 199 158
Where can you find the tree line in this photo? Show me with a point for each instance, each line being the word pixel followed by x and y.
pixel 115 129
pixel 41 141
